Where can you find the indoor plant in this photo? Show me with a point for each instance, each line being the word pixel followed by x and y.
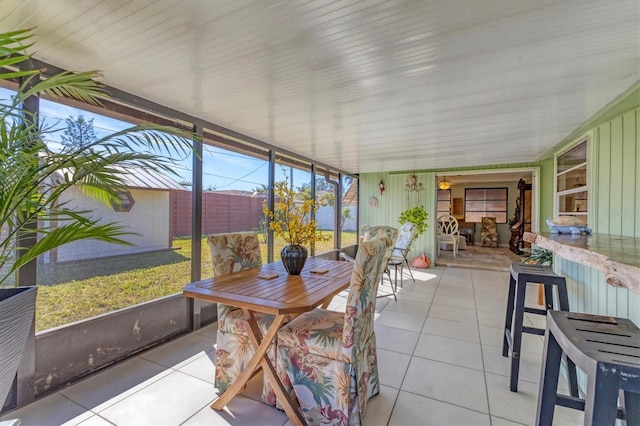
pixel 33 177
pixel 417 215
pixel 291 221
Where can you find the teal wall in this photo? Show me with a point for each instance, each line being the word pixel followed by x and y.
pixel 614 208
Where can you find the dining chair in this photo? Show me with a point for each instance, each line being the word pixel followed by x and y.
pixel 391 233
pixel 329 358
pixel 448 232
pixel 402 247
pixel 230 253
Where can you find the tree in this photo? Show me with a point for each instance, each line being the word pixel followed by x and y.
pixel 79 132
pixel 33 177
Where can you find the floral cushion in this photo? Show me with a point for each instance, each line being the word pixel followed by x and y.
pixel 319 332
pixel 329 359
pixel 230 253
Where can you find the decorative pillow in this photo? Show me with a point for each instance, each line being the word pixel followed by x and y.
pixel 567 221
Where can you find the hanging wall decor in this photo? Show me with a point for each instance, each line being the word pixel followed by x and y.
pixel 413 184
pixel 373 202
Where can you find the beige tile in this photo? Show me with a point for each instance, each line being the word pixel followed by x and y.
pixel 491 293
pixel 203 367
pixel 491 319
pixel 396 340
pixel 447 383
pixel 170 400
pixel 452 329
pixel 401 320
pixel 51 410
pixel 521 406
pixel 379 407
pixel 181 351
pixel 459 284
pixel 491 335
pixel 457 302
pixel 106 388
pixel 95 420
pixel 392 367
pixel 415 296
pixel 495 363
pixel 455 292
pixel 409 307
pixel 497 421
pixel 451 351
pixel 492 306
pixel 414 410
pixel 240 411
pixel 453 314
pixel 210 331
pixel 420 286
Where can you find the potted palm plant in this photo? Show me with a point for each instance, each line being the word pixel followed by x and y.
pixel 33 176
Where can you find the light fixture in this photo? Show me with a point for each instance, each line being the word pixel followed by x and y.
pixel 444 184
pixel 381 186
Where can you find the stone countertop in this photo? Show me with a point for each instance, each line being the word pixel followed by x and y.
pixel 617 256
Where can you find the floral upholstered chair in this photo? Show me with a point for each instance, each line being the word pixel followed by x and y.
pixel 329 358
pixel 230 253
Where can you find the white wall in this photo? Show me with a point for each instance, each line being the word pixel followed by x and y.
pixel 324 218
pixel 148 217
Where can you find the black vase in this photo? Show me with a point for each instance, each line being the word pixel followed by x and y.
pixel 293 258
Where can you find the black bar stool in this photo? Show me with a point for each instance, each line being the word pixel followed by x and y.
pixel 607 349
pixel 521 274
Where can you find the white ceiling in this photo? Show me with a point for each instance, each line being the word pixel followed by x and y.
pixel 373 85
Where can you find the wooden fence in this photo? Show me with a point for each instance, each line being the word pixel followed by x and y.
pixel 220 213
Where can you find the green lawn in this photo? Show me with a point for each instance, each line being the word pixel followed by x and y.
pixel 73 291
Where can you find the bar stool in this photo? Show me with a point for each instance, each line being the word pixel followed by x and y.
pixel 521 274
pixel 607 350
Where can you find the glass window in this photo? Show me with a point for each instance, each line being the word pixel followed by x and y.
pixel 349 213
pixel 571 182
pixel 485 202
pixel 444 202
pixel 234 189
pixel 89 277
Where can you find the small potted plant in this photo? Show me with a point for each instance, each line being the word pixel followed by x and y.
pixel 291 221
pixel 417 215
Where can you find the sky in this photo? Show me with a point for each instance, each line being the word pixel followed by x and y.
pixel 222 169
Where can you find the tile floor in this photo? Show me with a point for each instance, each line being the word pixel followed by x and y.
pixel 440 363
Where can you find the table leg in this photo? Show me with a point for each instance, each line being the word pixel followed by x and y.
pixel 291 407
pixel 247 373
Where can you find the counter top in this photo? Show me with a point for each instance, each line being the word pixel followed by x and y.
pixel 617 256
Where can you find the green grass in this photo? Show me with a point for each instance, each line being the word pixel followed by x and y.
pixel 72 291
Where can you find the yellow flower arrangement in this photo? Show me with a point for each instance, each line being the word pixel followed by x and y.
pixel 291 220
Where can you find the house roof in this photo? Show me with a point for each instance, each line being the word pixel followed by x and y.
pixel 141 178
pixel 361 86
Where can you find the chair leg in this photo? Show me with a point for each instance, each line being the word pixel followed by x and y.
pixel 406 262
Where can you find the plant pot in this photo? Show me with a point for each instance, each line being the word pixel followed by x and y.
pixel 17 310
pixel 293 258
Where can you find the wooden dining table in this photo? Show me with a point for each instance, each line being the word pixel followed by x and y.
pixel 269 289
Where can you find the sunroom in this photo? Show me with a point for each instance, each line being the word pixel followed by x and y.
pixel 370 108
